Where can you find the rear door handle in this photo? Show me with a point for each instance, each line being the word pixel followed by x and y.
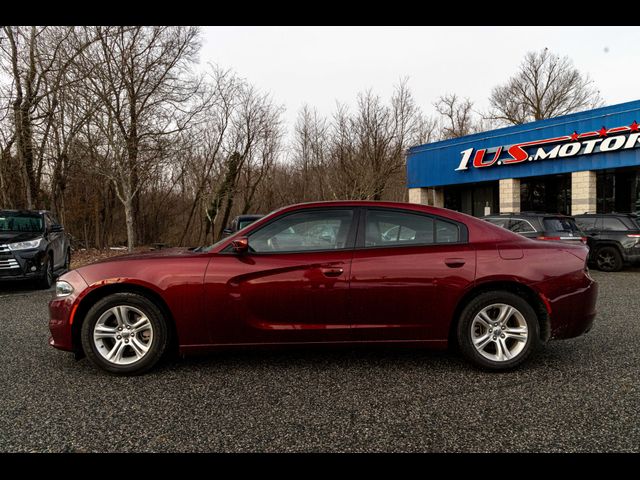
pixel 454 262
pixel 332 272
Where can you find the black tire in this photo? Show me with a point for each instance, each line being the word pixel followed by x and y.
pixel 46 282
pixel 465 333
pixel 608 259
pixel 67 261
pixel 158 343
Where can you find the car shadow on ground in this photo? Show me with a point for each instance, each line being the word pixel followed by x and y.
pixel 20 287
pixel 315 358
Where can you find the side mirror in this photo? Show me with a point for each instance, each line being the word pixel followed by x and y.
pixel 240 245
pixel 226 232
pixel 56 228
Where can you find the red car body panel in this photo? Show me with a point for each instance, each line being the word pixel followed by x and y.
pixel 401 294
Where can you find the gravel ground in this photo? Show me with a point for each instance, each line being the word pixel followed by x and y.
pixel 576 395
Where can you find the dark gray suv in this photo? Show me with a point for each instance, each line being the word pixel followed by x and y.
pixel 540 226
pixel 33 246
pixel 614 239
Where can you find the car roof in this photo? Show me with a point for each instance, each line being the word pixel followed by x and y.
pixel 612 214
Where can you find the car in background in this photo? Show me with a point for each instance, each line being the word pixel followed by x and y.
pixel 332 273
pixel 540 226
pixel 33 246
pixel 613 238
pixel 240 222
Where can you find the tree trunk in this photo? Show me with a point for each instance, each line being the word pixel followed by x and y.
pixel 130 221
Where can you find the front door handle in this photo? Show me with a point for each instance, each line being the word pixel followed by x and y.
pixel 454 262
pixel 332 272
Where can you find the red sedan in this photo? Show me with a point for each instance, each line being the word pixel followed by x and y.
pixel 332 272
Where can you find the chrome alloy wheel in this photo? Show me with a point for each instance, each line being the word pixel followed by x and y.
pixel 123 335
pixel 499 332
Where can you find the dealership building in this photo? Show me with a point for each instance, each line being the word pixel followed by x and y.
pixel 583 162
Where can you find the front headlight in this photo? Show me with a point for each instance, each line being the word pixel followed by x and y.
pixel 63 288
pixel 25 245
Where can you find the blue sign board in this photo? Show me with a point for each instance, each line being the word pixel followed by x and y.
pixel 602 138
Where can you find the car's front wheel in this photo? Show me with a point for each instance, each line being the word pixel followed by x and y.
pixel 46 281
pixel 67 261
pixel 498 330
pixel 124 333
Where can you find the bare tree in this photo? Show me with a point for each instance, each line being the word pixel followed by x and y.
pixel 545 86
pixel 309 150
pixel 141 76
pixel 255 123
pixel 209 139
pixel 457 116
pixel 38 60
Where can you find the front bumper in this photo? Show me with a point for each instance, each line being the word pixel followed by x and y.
pixel 21 264
pixel 61 310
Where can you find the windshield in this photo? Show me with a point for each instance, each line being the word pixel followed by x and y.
pixel 20 222
pixel 560 224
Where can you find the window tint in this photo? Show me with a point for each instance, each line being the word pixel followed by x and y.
pixel 501 222
pixel 521 226
pixel 304 231
pixel 389 228
pixel 17 222
pixel 586 223
pixel 609 223
pixel 244 223
pixel 559 224
pixel 447 232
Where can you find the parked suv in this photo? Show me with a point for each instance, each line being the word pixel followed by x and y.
pixel 614 239
pixel 540 226
pixel 33 246
pixel 240 222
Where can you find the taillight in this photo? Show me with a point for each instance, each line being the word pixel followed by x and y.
pixel 583 240
pixel 633 235
pixel 542 237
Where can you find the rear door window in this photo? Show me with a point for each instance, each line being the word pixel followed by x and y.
pixel 586 223
pixel 392 228
pixel 560 224
pixel 521 226
pixel 500 222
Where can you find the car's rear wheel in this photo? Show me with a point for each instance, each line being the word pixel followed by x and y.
pixel 498 330
pixel 608 259
pixel 124 333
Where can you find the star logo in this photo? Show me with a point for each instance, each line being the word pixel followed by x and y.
pixel 574 136
pixel 635 127
pixel 602 132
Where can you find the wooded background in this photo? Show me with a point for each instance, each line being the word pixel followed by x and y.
pixel 113 130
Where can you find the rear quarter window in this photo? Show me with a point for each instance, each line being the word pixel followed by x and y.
pixel 500 222
pixel 609 223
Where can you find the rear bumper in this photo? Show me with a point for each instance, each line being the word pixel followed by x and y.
pixel 572 300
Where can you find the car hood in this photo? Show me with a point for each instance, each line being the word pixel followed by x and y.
pixel 12 237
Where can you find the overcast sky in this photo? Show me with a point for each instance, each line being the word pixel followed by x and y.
pixel 319 65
